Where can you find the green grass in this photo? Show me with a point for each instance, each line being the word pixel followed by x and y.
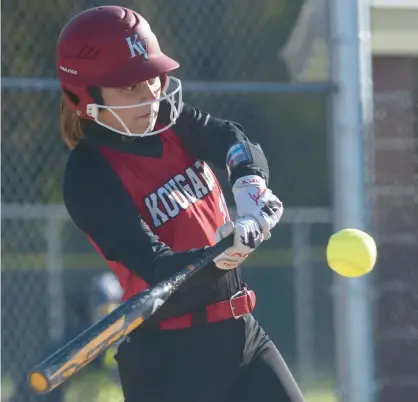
pixel 320 395
pixel 96 387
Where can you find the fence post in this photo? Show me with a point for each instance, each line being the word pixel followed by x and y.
pixel 352 116
pixel 303 301
pixel 55 285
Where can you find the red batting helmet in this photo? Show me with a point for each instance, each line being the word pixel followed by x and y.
pixel 111 46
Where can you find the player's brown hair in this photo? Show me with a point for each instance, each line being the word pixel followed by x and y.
pixel 71 131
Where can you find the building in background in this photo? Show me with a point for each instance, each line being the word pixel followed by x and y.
pixel 393 169
pixel 394 39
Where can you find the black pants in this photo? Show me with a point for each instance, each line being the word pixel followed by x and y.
pixel 229 361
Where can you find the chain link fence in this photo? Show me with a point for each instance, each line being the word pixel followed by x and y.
pixel 248 84
pixel 47 262
pixel 231 66
pixel 44 297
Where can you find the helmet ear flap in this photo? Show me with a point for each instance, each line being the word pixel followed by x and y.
pixel 96 95
pixel 71 96
pixel 77 99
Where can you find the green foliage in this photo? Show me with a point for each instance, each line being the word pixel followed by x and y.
pixel 93 386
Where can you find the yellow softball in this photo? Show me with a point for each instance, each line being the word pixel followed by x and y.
pixel 351 252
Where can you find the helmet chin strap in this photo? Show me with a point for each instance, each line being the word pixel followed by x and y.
pixel 93 111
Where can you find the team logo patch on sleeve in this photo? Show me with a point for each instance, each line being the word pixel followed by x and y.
pixel 237 155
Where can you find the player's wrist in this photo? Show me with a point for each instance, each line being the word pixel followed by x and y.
pixel 250 180
pixel 243 171
pixel 244 159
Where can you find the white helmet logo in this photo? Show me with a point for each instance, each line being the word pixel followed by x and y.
pixel 137 47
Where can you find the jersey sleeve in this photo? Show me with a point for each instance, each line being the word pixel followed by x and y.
pixel 219 141
pixel 100 206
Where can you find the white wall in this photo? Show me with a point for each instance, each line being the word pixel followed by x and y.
pixel 394 3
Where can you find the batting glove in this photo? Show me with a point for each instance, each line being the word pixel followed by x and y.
pixel 247 237
pixel 253 198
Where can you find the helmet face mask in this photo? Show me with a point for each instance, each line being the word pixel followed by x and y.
pixel 172 95
pixel 113 47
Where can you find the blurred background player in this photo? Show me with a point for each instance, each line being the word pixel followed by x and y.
pixel 99 382
pixel 105 295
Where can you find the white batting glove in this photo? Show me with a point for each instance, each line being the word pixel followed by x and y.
pixel 247 237
pixel 253 198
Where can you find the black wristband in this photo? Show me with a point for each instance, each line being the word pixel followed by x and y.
pixel 245 158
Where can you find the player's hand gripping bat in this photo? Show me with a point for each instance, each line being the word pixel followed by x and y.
pixel 76 354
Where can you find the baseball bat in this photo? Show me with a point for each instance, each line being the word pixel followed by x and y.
pixel 68 360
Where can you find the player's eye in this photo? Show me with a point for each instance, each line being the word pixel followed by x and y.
pixel 154 84
pixel 130 87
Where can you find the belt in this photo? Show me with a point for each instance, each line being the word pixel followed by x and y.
pixel 239 305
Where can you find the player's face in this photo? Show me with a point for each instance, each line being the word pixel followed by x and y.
pixel 138 118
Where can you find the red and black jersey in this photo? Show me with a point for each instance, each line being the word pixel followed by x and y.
pixel 151 205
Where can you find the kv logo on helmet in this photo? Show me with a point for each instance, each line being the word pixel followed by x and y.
pixel 137 47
